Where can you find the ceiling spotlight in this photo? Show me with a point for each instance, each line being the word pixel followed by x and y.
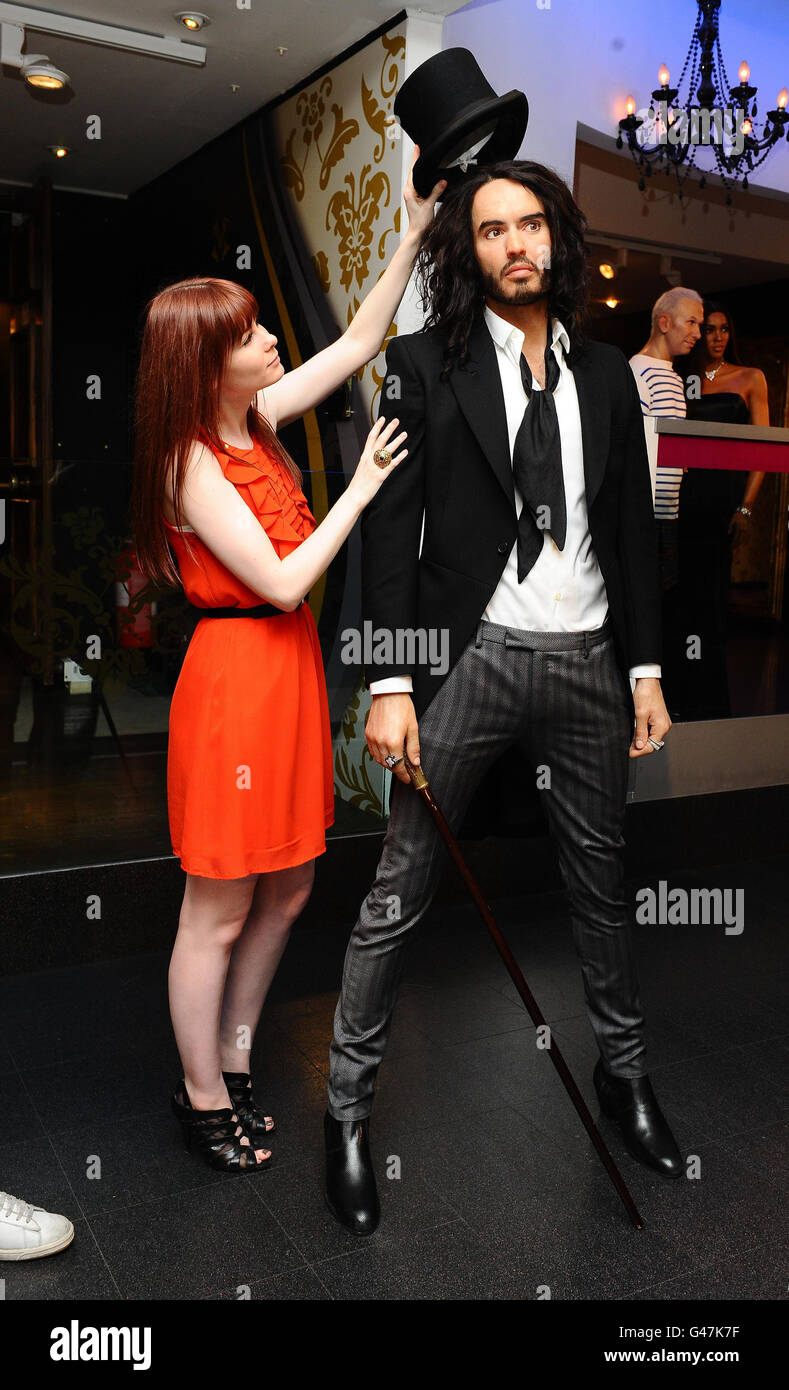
pixel 59 151
pixel 36 68
pixel 192 19
pixel 607 271
pixel 39 72
pixel 612 303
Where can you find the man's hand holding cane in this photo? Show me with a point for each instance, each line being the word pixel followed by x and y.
pixel 392 728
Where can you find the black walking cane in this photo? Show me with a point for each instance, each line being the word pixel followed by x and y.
pixel 420 782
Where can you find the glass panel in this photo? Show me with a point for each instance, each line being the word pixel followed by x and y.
pixel 83 759
pixel 726 650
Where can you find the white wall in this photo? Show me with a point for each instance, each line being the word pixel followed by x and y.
pixel 577 60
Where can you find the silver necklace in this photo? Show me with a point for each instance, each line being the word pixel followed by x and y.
pixel 712 375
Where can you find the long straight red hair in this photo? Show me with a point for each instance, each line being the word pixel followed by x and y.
pixel 189 333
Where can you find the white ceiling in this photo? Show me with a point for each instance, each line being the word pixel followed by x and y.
pixel 153 112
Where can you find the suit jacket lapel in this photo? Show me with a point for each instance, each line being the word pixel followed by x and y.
pixel 480 397
pixel 592 390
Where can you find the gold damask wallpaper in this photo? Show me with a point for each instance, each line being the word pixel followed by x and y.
pixel 341 160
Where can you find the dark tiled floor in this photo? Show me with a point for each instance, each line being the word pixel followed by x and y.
pixel 495 1189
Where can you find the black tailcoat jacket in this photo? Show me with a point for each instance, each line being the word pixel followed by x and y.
pixel 457 478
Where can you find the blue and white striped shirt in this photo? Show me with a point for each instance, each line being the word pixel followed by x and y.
pixel 661 392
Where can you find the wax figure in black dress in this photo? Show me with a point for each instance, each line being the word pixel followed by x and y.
pixel 716 509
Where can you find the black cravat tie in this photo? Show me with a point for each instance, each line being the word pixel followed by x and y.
pixel 537 467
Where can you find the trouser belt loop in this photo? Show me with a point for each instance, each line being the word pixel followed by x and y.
pixel 586 646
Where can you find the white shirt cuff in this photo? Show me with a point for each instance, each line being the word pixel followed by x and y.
pixel 392 685
pixel 650 668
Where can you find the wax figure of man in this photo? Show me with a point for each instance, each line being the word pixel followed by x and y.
pixel 527 462
pixel 677 317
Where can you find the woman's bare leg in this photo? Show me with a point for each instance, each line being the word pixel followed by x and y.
pixel 278 899
pixel 213 915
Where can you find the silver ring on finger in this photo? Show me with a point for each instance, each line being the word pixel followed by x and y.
pixel 657 743
pixel 391 760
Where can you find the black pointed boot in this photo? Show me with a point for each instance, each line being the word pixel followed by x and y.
pixel 351 1193
pixel 632 1105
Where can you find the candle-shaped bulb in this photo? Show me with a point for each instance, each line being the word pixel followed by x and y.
pixel 783 97
pixel 745 73
pixel 663 75
pixel 630 105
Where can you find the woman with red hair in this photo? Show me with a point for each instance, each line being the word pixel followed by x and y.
pixel 250 780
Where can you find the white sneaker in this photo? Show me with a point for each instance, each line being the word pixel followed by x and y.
pixel 27 1231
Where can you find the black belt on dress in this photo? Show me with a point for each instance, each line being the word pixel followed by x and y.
pixel 261 610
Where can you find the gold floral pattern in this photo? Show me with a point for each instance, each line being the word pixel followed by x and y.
pixel 353 221
pixel 343 123
pixel 379 118
pixel 377 377
pixel 352 779
pixel 311 107
pixel 342 163
pixel 395 227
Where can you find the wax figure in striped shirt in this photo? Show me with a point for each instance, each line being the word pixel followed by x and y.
pixel 677 317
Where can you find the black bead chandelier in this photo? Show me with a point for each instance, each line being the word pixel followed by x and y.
pixel 669 135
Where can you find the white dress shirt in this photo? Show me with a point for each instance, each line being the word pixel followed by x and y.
pixel 564 590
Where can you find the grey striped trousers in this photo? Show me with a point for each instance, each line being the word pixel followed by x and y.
pixel 562 699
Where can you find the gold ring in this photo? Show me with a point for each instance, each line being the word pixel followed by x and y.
pixel 382 457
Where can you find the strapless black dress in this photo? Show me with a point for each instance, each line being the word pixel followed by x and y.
pixel 718 489
pixel 707 501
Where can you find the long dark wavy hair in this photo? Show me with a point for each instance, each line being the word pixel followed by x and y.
pixel 693 363
pixel 448 276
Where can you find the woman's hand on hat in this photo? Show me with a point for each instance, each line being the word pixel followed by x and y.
pixel 421 211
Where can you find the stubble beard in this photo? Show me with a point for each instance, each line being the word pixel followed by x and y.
pixel 495 288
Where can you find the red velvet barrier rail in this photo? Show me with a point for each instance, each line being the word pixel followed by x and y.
pixel 701 444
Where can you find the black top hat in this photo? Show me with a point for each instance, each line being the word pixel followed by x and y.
pixel 446 106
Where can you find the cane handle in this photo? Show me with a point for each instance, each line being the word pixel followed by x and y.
pixel 415 773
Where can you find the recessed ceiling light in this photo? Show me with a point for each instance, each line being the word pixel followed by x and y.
pixel 192 20
pixel 612 303
pixel 60 151
pixel 606 270
pixel 43 74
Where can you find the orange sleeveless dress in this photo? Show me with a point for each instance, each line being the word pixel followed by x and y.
pixel 250 785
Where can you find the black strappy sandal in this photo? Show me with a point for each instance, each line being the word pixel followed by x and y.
pixel 217 1135
pixel 239 1088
